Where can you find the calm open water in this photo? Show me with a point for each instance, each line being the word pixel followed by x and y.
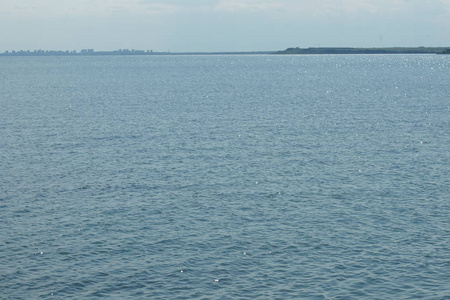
pixel 225 177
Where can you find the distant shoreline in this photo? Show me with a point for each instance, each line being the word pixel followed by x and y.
pixel 121 52
pixel 297 50
pixel 390 50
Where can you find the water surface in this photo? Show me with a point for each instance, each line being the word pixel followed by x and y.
pixel 225 177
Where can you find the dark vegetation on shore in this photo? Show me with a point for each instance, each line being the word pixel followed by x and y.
pixel 393 50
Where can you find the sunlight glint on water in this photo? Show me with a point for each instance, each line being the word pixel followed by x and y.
pixel 225 177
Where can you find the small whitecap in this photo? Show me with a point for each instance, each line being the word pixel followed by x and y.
pixel 216 280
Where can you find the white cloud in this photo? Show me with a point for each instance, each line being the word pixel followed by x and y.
pixel 275 7
pixel 252 5
pixel 301 8
pixel 48 8
pixel 338 7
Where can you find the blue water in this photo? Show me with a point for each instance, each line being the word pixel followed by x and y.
pixel 225 177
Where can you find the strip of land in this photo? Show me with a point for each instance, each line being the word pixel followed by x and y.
pixel 326 50
pixel 393 50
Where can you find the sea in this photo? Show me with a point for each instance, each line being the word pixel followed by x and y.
pixel 225 177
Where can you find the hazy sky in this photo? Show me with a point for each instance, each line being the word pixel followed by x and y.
pixel 221 25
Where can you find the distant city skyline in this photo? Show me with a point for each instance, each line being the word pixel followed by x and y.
pixel 221 25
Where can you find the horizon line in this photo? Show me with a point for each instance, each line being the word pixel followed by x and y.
pixel 305 50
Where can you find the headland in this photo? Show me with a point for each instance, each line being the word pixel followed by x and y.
pixel 391 50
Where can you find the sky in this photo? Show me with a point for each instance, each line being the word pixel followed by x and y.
pixel 221 25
